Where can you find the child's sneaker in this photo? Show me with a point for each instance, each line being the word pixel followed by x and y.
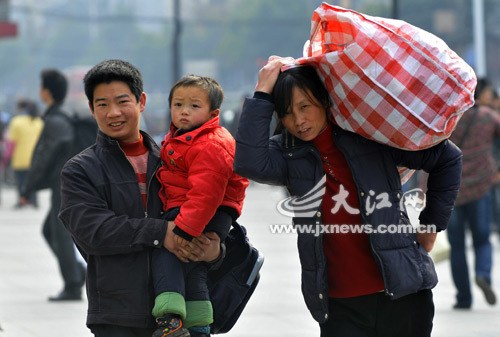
pixel 170 326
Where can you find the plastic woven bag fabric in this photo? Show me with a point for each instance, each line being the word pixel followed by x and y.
pixel 390 81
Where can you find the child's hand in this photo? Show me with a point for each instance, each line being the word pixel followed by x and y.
pixel 270 72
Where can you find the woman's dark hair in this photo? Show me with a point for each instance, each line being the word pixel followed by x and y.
pixel 303 77
pixel 482 84
pixel 29 107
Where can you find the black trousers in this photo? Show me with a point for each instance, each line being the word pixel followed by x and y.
pixel 105 330
pixel 376 315
pixel 61 244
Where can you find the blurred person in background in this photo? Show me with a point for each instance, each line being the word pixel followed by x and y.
pixel 2 126
pixel 24 130
pixel 5 148
pixel 495 105
pixel 53 149
pixel 475 134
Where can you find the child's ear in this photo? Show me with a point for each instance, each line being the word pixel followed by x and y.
pixel 214 113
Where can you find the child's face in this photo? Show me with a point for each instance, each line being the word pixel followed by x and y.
pixel 117 111
pixel 191 107
pixel 307 117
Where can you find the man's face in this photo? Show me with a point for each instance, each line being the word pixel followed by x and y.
pixel 117 111
pixel 45 95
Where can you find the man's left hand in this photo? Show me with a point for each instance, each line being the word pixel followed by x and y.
pixel 206 248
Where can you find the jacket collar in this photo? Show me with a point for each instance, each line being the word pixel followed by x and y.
pixel 204 128
pixel 54 108
pixel 106 141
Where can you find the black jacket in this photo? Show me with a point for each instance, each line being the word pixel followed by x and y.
pixel 52 150
pixel 102 209
pixel 285 160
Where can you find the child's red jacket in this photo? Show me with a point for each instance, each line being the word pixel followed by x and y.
pixel 197 175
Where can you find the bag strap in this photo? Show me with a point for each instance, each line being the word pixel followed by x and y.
pixel 238 228
pixel 468 126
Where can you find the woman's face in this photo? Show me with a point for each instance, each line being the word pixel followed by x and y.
pixel 307 117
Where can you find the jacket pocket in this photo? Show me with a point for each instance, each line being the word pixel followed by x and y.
pixel 123 283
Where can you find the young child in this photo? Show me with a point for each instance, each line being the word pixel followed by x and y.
pixel 200 193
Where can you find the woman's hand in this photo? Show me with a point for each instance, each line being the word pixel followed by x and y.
pixel 270 72
pixel 426 240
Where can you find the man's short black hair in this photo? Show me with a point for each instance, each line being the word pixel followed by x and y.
pixel 113 70
pixel 56 83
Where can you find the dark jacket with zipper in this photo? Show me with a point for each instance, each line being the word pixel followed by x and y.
pixel 285 160
pixel 102 208
pixel 52 150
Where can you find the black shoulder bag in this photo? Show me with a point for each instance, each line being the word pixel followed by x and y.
pixel 233 283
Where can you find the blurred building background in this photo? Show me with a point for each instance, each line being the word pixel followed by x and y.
pixel 227 39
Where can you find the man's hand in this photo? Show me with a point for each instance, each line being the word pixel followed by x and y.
pixel 206 248
pixel 180 242
pixel 270 72
pixel 426 240
pixel 171 244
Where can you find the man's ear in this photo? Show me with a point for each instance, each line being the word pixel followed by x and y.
pixel 91 109
pixel 214 113
pixel 142 102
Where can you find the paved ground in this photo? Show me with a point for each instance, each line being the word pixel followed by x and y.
pixel 28 275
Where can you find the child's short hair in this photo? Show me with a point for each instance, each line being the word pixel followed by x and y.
pixel 213 89
pixel 56 83
pixel 113 70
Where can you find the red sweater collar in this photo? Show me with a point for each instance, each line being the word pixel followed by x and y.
pixel 135 148
pixel 323 141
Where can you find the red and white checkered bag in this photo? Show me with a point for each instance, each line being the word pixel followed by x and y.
pixel 390 81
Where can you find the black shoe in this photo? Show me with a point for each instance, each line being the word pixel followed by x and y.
pixel 485 286
pixel 461 306
pixel 170 326
pixel 66 296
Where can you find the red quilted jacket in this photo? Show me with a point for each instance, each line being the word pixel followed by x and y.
pixel 197 175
